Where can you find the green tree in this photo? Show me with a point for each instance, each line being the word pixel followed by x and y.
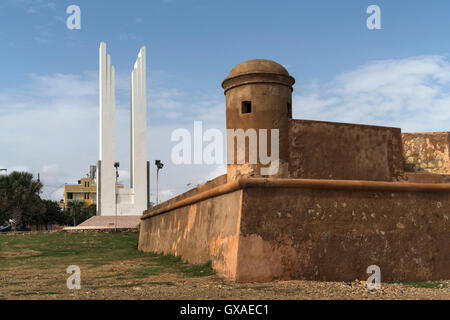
pixel 19 198
pixel 75 207
pixel 53 214
pixel 35 214
pixel 86 212
pixel 4 208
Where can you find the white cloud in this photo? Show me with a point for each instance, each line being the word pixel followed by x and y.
pixel 166 193
pixel 175 104
pixel 65 86
pixel 53 179
pixel 410 93
pixel 124 178
pixel 50 126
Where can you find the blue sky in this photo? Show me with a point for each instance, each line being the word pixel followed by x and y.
pixel 202 39
pixel 397 76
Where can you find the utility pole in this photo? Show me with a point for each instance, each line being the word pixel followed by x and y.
pixel 159 166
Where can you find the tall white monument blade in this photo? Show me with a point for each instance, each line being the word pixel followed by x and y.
pixel 102 91
pixel 139 132
pixel 106 179
pixel 132 98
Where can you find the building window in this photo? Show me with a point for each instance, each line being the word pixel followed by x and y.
pixel 69 195
pixel 77 195
pixel 246 107
pixel 86 195
pixel 289 110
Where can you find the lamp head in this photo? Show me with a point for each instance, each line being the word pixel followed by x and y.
pixel 159 164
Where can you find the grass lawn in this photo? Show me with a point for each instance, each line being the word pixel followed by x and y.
pixel 106 260
pixel 425 284
pixel 39 250
pixel 33 266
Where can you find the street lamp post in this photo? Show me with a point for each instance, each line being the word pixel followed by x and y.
pixel 116 165
pixel 159 166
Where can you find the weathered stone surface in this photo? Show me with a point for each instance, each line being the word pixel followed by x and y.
pixel 268 87
pixel 331 150
pixel 425 177
pixel 427 152
pixel 271 233
pixel 202 232
pixel 336 235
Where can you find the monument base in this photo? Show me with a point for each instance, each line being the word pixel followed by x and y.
pixel 108 222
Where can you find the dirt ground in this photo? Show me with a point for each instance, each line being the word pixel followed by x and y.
pixel 116 281
pixel 27 273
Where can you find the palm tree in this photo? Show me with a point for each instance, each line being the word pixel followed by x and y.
pixel 19 198
pixel 75 206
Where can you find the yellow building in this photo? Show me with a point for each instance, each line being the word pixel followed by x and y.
pixel 85 190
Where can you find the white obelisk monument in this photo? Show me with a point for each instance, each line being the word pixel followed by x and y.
pixel 106 181
pixel 138 135
pixel 112 200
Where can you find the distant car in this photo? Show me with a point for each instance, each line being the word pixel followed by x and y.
pixel 5 228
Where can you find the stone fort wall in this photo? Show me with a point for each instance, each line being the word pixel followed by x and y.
pixel 331 150
pixel 207 230
pixel 427 152
pixel 346 196
pixel 273 229
pixel 335 235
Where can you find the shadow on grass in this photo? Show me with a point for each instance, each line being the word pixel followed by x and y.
pixel 175 264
